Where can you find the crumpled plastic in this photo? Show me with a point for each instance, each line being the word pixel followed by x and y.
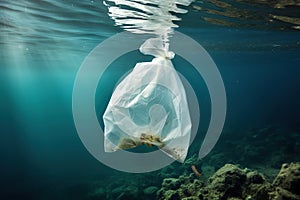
pixel 149 107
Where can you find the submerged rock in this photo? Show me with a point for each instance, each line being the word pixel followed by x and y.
pixel 180 188
pixel 151 190
pixel 287 182
pixel 227 182
pixel 171 183
pixel 256 186
pixel 289 178
pixel 233 183
pixel 230 182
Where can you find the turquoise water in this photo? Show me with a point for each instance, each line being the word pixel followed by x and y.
pixel 42 46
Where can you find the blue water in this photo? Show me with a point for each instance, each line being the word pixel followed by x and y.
pixel 42 46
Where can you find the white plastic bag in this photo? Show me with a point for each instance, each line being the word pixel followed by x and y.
pixel 149 107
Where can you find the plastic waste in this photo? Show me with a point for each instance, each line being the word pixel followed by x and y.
pixel 149 107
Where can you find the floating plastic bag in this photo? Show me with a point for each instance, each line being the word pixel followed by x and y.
pixel 149 107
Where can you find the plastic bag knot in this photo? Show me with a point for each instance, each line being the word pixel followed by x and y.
pixel 156 47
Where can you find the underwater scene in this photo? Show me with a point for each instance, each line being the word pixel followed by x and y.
pixel 150 99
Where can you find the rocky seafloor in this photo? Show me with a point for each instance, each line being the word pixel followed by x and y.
pixel 233 183
pixel 230 182
pixel 264 165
